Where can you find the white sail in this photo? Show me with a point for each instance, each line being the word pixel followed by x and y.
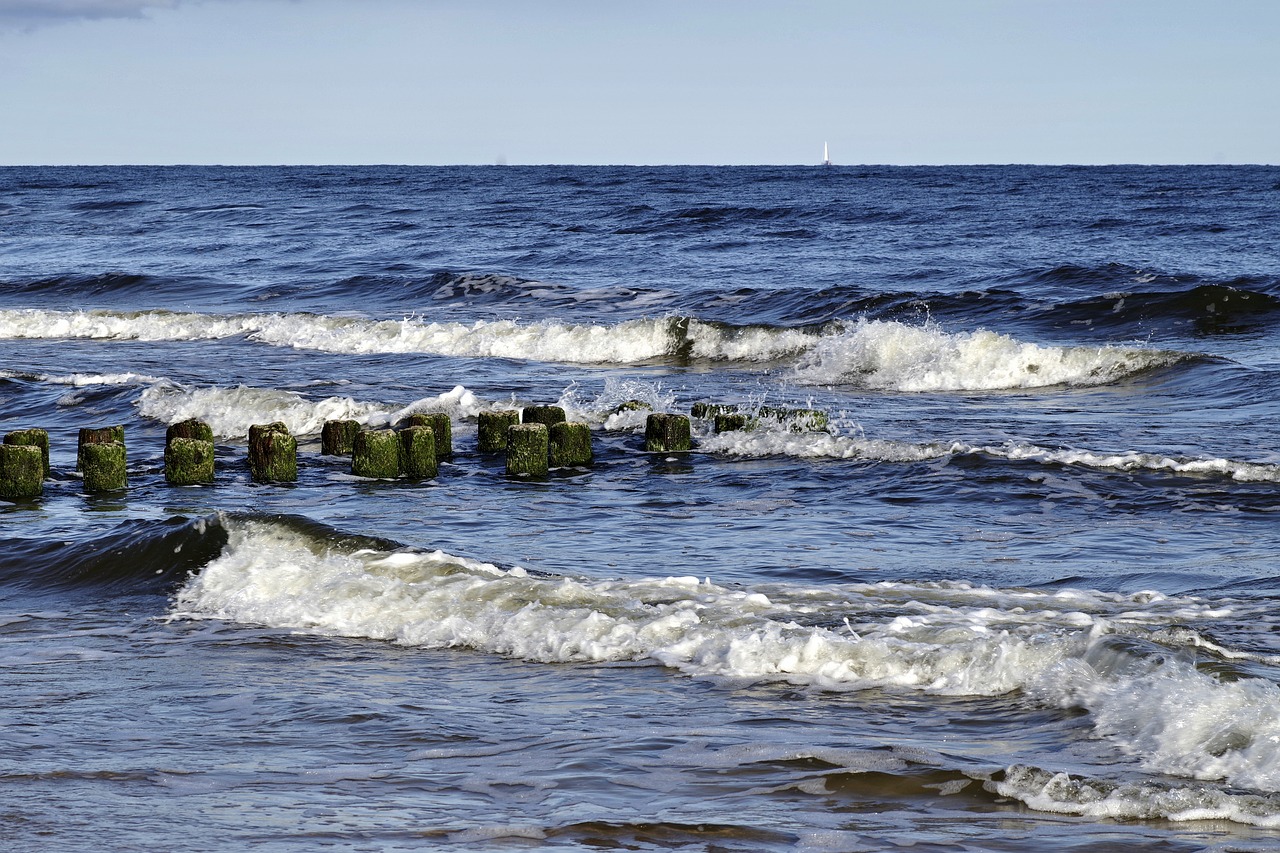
pixel 826 158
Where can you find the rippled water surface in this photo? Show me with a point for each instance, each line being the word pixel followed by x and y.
pixel 1013 588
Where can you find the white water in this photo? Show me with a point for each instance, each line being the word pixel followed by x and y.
pixel 772 440
pixel 882 355
pixel 894 356
pixel 231 411
pixel 1106 653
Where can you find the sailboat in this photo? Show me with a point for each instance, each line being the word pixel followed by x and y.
pixel 826 158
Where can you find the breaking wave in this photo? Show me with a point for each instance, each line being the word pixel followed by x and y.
pixel 890 356
pixel 882 355
pixel 1107 653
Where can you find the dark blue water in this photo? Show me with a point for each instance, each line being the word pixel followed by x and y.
pixel 1018 593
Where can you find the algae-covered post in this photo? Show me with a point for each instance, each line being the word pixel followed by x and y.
pixel 338 437
pixel 547 415
pixel 667 433
pixel 103 464
pixel 188 461
pixel 807 420
pixel 569 445
pixel 418 452
pixel 273 453
pixel 443 428
pixel 97 435
pixel 631 406
pixel 32 438
pixel 492 430
pixel 376 454
pixel 527 450
pixel 440 425
pixel 21 471
pixel 190 428
pixel 731 423
pixel 710 410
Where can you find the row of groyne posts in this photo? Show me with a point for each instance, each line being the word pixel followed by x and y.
pixel 535 439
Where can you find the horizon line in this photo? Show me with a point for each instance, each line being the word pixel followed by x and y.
pixel 818 165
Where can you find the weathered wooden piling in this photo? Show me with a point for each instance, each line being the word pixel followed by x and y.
pixel 730 423
pixel 103 466
pixel 440 425
pixel 190 428
pixel 188 461
pixel 806 420
pixel 710 410
pixel 492 427
pixel 546 415
pixel 569 445
pixel 376 454
pixel 97 435
pixel 443 428
pixel 667 433
pixel 527 449
pixel 273 453
pixel 631 406
pixel 338 437
pixel 21 471
pixel 32 438
pixel 418 452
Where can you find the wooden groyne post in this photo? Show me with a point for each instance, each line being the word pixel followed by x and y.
pixel 21 471
pixel 273 453
pixel 667 433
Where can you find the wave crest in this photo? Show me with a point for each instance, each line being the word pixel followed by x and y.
pixel 891 356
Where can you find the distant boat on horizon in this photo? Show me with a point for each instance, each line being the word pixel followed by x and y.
pixel 826 157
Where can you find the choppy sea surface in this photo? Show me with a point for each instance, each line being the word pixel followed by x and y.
pixel 1022 592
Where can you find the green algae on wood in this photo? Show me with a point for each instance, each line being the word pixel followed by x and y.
pixel 443 428
pixel 338 437
pixel 190 428
pixel 806 420
pixel 440 424
pixel 376 454
pixel 732 423
pixel 188 461
pixel 667 433
pixel 569 445
pixel 492 429
pixel 418 452
pixel 273 453
pixel 710 410
pixel 32 438
pixel 527 450
pixel 631 406
pixel 97 435
pixel 21 471
pixel 104 467
pixel 547 415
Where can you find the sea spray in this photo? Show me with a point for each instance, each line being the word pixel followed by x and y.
pixel 1065 648
pixel 891 356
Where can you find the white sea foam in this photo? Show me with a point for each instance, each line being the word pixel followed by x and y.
pixel 1101 798
pixel 80 380
pixel 628 342
pixel 231 411
pixel 771 440
pixel 1064 648
pixel 894 356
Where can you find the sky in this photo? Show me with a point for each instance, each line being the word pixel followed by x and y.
pixel 639 81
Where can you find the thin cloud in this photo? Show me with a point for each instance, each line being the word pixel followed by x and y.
pixel 38 9
pixel 30 14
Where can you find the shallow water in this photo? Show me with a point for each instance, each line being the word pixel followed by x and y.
pixel 1019 592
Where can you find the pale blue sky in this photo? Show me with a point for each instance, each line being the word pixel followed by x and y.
pixel 643 81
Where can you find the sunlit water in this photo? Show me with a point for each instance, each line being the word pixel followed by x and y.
pixel 1018 593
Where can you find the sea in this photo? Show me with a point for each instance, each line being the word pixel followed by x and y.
pixel 1017 589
